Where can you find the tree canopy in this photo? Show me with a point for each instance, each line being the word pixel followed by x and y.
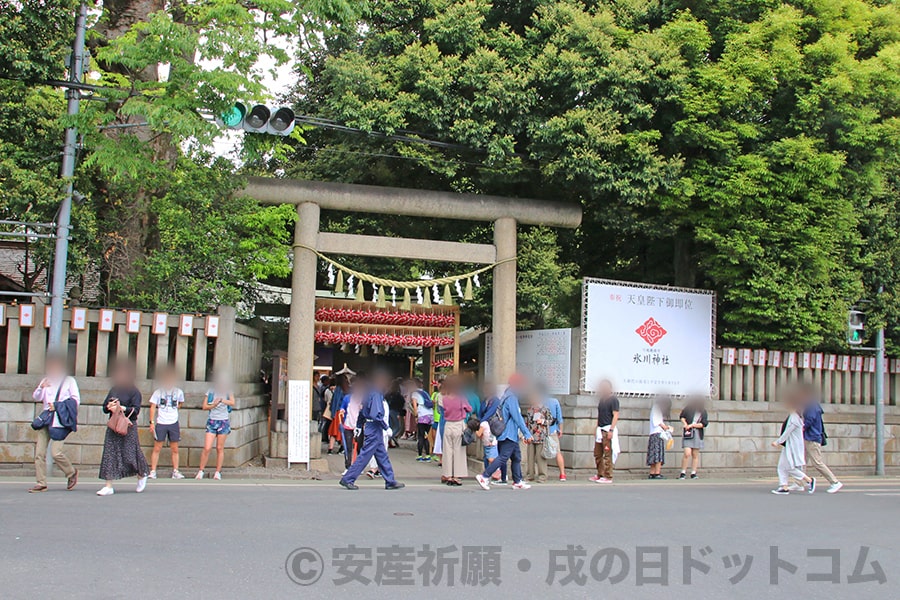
pixel 746 146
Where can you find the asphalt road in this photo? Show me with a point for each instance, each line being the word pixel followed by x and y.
pixel 232 539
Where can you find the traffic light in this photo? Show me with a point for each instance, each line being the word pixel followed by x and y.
pixel 856 327
pixel 259 119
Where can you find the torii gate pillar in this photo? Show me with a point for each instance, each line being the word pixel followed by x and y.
pixel 302 331
pixel 504 301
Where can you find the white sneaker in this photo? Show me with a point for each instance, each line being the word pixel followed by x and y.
pixel 796 487
pixel 152 475
pixel 521 486
pixel 106 491
pixel 217 476
pixel 141 485
pixel 834 487
pixel 199 475
pixel 483 481
pixel 177 475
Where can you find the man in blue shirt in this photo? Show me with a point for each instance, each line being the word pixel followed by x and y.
pixel 374 423
pixel 508 441
pixel 814 438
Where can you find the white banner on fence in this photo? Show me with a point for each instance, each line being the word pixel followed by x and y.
pixel 543 355
pixel 647 339
pixel 298 421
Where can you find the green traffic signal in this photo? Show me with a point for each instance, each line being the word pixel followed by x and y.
pixel 234 116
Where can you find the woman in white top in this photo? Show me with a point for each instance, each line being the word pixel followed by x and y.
pixel 218 401
pixel 656 445
pixel 793 451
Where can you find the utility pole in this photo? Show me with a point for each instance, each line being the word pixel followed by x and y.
pixel 879 399
pixel 67 173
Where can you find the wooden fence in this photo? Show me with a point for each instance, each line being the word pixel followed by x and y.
pixel 195 344
pixel 762 375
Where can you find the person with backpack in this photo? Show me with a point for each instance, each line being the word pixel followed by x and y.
pixel 506 423
pixel 164 424
pixel 489 406
pixel 814 437
pixel 424 418
pixel 219 401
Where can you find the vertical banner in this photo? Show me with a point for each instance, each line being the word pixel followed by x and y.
pixel 775 358
pixel 805 360
pixel 729 356
pixel 186 325
pixel 647 338
pixel 819 361
pixel 79 319
pixel 759 358
pixel 47 316
pixel 298 414
pixel 212 326
pixel 107 320
pixel 133 325
pixel 26 315
pixel 744 357
pixel 832 362
pixel 160 324
pixel 790 360
pixel 2 314
pixel 845 363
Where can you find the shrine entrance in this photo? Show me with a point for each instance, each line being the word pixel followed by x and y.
pixel 310 244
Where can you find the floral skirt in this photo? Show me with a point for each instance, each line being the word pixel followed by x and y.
pixel 656 450
pixel 122 456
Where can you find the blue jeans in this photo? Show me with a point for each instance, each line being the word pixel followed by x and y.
pixel 373 445
pixel 508 450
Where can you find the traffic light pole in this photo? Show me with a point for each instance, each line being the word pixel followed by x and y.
pixel 879 400
pixel 67 173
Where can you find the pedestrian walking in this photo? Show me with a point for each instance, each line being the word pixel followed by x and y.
pixel 164 425
pixel 814 438
pixel 339 391
pixel 509 416
pixel 58 394
pixel 374 422
pixel 122 454
pixel 489 406
pixel 350 428
pixel 606 437
pixel 793 452
pixel 694 420
pixel 456 408
pixel 219 401
pixel 660 434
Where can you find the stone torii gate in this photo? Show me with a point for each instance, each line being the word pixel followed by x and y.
pixel 312 196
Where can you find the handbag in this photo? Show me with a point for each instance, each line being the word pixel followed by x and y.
pixel 45 419
pixel 119 423
pixel 551 447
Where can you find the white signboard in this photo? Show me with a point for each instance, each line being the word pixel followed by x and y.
pixel 298 421
pixel 647 339
pixel 543 355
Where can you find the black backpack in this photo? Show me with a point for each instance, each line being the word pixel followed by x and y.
pixel 497 423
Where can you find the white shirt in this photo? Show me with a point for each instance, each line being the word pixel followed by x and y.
pixel 167 402
pixel 656 420
pixel 47 395
pixel 487 437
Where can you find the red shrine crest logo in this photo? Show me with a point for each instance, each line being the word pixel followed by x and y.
pixel 651 331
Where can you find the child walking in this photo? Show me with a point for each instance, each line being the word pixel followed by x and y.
pixel 164 404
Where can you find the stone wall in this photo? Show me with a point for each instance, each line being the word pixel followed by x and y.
pixel 249 435
pixel 738 438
